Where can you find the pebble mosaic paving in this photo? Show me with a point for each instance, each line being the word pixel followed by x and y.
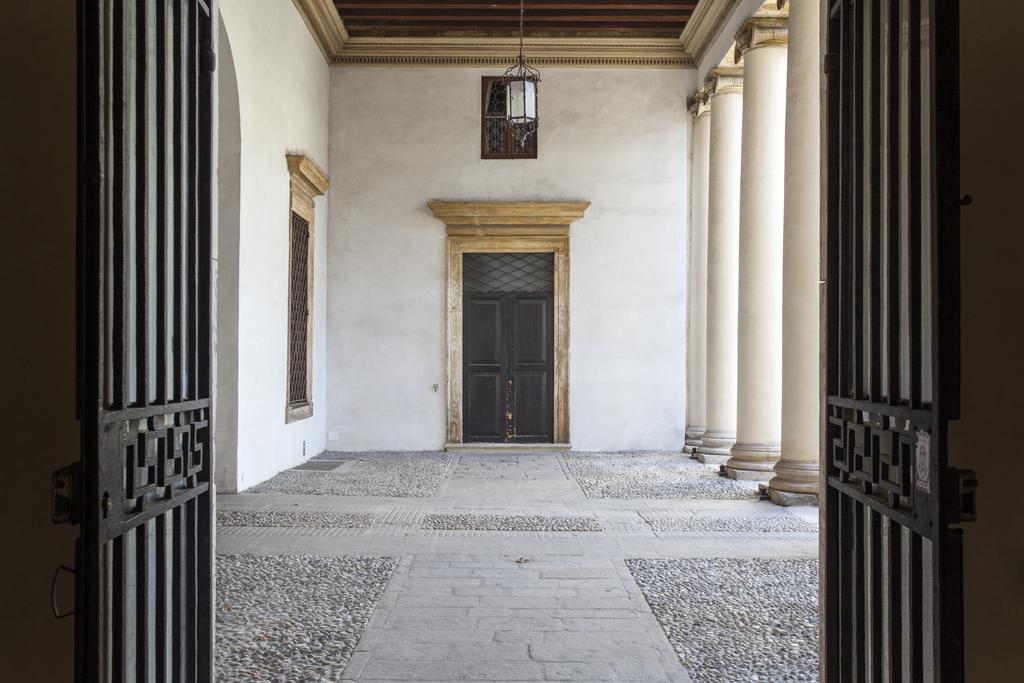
pixel 736 619
pixel 293 617
pixel 733 524
pixel 375 474
pixel 514 566
pixel 511 523
pixel 306 520
pixel 653 475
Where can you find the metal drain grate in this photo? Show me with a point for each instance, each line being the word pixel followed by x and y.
pixel 319 465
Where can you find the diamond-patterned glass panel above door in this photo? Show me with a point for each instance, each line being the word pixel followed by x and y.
pixel 508 273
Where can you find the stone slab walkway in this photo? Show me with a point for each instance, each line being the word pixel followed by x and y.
pixel 511 600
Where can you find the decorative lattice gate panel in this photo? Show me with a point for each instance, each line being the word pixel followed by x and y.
pixel 143 562
pixel 893 593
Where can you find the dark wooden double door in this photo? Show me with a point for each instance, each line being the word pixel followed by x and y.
pixel 508 349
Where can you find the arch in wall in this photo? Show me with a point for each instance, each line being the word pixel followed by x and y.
pixel 229 170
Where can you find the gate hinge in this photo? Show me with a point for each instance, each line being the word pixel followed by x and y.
pixel 208 58
pixel 831 65
pixel 963 495
pixel 66 502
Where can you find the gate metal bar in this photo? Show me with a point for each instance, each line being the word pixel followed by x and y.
pixel 893 593
pixel 144 577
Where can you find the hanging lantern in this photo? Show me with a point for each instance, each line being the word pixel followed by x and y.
pixel 521 99
pixel 521 81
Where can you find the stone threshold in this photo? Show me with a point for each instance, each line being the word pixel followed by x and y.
pixel 507 447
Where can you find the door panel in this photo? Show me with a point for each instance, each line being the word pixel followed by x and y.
pixel 532 329
pixel 484 368
pixel 144 564
pixel 532 375
pixel 893 593
pixel 531 407
pixel 485 419
pixel 483 321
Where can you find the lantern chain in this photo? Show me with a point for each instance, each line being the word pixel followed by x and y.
pixel 521 71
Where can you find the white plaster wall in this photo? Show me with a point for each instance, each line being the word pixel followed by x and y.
pixel 283 101
pixel 402 136
pixel 225 258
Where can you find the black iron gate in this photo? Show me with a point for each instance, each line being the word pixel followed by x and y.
pixel 144 573
pixel 893 593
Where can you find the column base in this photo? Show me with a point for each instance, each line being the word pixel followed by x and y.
pixel 693 440
pixel 712 458
pixel 715 447
pixel 794 478
pixel 787 499
pixel 752 461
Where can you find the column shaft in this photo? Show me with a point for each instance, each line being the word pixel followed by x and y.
pixel 696 354
pixel 759 373
pixel 723 264
pixel 796 474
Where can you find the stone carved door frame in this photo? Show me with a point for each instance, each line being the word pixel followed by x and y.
pixel 507 227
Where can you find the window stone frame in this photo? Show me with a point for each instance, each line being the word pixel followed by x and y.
pixel 307 182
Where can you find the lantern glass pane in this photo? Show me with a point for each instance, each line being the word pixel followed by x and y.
pixel 515 100
pixel 530 93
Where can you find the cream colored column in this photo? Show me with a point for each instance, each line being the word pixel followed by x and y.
pixel 796 474
pixel 696 344
pixel 762 44
pixel 725 88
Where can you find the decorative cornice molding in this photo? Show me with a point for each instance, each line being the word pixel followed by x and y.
pixel 338 48
pixel 761 31
pixel 508 218
pixel 705 24
pixel 549 52
pixel 563 61
pixel 308 181
pixel 325 24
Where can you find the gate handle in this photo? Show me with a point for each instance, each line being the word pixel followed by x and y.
pixel 53 592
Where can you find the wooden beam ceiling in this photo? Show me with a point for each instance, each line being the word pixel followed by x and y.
pixel 662 34
pixel 500 18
